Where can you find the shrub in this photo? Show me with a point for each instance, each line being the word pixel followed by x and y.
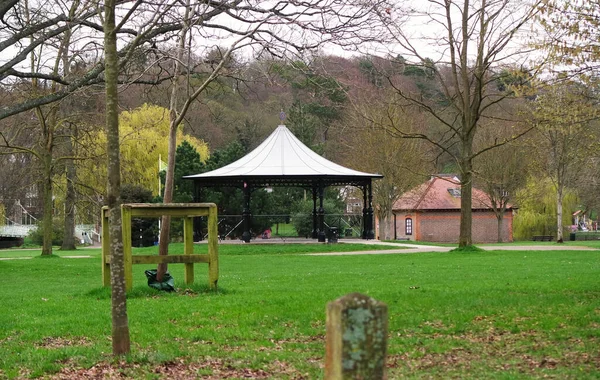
pixel 303 219
pixel 36 237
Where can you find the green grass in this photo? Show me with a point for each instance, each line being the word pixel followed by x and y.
pixel 224 249
pixel 256 248
pixel 582 243
pixel 283 230
pixel 585 243
pixel 34 252
pixel 502 314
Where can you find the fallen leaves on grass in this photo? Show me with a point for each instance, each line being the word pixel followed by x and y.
pixel 420 360
pixel 524 352
pixel 60 342
pixel 302 339
pixel 104 371
pixel 218 368
pixel 209 369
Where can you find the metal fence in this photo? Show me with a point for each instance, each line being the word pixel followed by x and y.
pixel 231 227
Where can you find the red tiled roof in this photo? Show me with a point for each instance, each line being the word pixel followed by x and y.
pixel 435 194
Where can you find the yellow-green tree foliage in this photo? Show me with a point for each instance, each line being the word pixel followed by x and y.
pixel 537 209
pixel 2 214
pixel 573 28
pixel 143 139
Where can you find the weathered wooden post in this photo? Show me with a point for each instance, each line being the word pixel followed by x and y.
pixel 356 341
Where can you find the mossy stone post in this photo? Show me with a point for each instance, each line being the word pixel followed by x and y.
pixel 356 341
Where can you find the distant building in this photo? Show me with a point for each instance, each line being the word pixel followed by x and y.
pixel 353 205
pixel 431 212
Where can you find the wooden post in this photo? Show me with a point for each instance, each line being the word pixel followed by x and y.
pixel 213 248
pixel 188 248
pixel 105 248
pixel 356 340
pixel 126 231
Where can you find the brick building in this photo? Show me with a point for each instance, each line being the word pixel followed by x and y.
pixel 431 212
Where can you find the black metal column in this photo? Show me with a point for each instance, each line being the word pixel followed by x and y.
pixel 315 232
pixel 246 215
pixel 370 230
pixel 321 215
pixel 364 210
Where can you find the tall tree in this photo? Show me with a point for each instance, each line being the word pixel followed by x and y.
pixel 177 114
pixel 317 100
pixel 537 208
pixel 499 172
pixel 120 324
pixel 371 147
pixel 70 196
pixel 566 132
pixel 469 41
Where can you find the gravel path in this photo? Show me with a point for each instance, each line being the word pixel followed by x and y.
pixel 414 248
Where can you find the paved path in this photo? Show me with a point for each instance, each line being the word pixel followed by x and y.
pixel 395 248
pixel 416 248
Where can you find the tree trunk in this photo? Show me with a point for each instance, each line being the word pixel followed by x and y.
pixel 500 217
pixel 165 225
pixel 68 243
pixel 559 214
pixel 66 109
pixel 165 229
pixel 120 325
pixel 466 214
pixel 47 225
pixel 387 226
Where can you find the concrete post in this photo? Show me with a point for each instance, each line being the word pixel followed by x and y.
pixel 356 342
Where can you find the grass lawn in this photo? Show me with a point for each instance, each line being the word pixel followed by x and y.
pixel 501 314
pixel 224 249
pixel 582 243
pixel 284 229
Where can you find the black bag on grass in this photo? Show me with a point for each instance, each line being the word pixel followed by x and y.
pixel 167 284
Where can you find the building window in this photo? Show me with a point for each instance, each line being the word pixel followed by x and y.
pixel 454 192
pixel 408 226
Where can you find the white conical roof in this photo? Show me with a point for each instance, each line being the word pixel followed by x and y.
pixel 282 154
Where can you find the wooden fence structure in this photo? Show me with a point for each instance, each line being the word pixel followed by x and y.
pixel 187 211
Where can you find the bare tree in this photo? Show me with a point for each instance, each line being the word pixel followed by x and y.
pixel 52 120
pixel 469 42
pixel 499 172
pixel 373 148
